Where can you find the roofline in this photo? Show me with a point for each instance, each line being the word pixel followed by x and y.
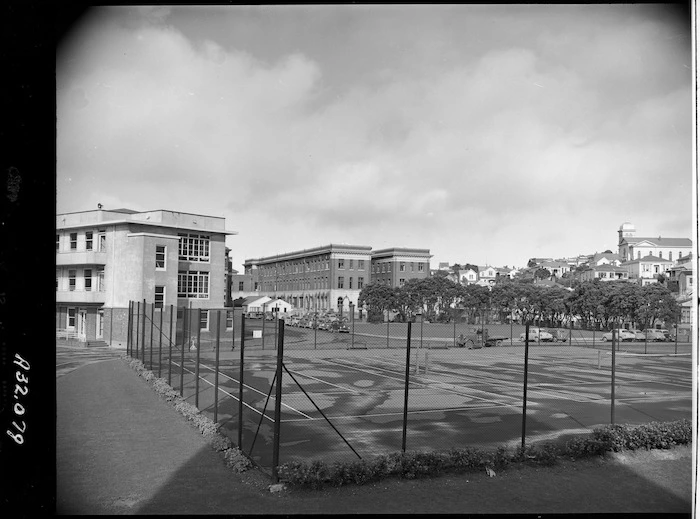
pixel 146 223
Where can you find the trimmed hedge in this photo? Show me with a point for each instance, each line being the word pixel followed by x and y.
pixel 233 457
pixel 318 474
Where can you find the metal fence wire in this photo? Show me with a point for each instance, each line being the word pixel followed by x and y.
pixel 286 393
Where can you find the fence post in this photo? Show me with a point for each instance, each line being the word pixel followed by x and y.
pixel 128 331
pixel 138 319
pixel 233 328
pixel 571 331
pixel 143 335
pixel 185 342
pixel 387 328
pixel 676 329
pixel 315 328
pixel 196 368
pixel 160 342
pixel 454 328
pixel 240 385
pixel 527 351
pixel 615 337
pixel 405 391
pixel 216 365
pixel 150 346
pixel 278 404
pixel 170 346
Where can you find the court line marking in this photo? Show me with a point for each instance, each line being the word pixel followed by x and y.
pixel 272 397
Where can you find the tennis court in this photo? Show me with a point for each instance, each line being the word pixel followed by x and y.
pixel 344 404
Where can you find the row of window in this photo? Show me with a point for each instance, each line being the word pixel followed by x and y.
pixel 386 267
pixel 92 280
pixel 310 284
pixel 661 255
pixel 88 241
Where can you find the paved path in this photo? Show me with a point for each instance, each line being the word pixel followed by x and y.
pixel 120 449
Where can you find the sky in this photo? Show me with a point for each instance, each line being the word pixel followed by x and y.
pixel 489 134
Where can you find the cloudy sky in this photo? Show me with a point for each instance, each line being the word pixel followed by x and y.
pixel 488 134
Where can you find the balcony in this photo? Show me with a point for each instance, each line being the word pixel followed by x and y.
pixel 89 257
pixel 80 296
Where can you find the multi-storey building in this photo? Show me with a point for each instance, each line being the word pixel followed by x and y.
pixel 397 265
pixel 106 258
pixel 323 278
pixel 631 247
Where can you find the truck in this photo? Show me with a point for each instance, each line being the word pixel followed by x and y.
pixel 478 338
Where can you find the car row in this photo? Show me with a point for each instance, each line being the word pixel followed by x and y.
pixel 650 334
pixel 331 323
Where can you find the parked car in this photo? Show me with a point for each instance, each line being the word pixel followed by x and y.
pixel 625 335
pixel 666 333
pixel 654 335
pixel 538 335
pixel 638 335
pixel 558 334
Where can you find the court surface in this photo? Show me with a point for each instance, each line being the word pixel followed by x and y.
pixel 345 404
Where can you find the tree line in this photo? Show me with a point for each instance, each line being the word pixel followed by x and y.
pixel 591 303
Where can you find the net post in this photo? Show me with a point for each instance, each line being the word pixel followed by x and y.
pixel 128 330
pixel 143 334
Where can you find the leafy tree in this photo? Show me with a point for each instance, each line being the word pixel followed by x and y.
pixel 542 273
pixel 378 298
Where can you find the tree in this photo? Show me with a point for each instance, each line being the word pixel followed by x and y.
pixel 378 298
pixel 542 273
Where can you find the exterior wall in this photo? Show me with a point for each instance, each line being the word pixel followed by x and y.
pixel 129 261
pixel 386 265
pixel 309 279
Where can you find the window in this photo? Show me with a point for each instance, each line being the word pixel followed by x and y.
pixel 87 276
pixel 73 241
pixel 670 254
pixel 88 240
pixel 240 286
pixel 360 282
pixel 159 298
pixel 401 282
pixel 420 267
pixel 229 319
pixel 402 267
pixel 350 283
pixel 204 319
pixel 341 264
pixel 160 257
pixel 71 280
pixel 341 281
pixel 101 279
pixel 100 323
pixel 361 264
pixel 58 277
pixel 350 262
pixel 70 322
pixel 102 242
pixel 194 247
pixel 58 242
pixel 193 284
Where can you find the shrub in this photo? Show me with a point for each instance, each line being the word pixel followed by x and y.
pixel 236 460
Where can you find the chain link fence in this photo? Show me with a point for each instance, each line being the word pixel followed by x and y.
pixel 284 392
